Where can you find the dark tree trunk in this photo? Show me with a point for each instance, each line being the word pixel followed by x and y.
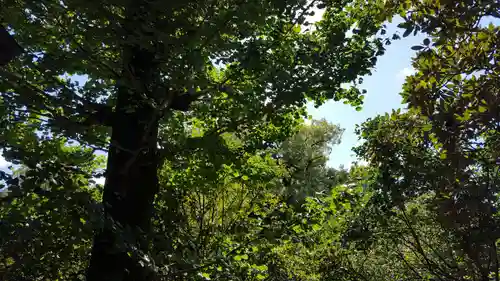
pixel 9 49
pixel 131 176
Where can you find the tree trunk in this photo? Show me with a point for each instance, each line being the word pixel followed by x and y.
pixel 131 176
pixel 9 49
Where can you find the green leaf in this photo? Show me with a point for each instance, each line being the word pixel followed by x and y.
pixel 205 275
pixel 241 257
pixel 408 31
pixel 427 127
pixel 443 155
pixel 417 48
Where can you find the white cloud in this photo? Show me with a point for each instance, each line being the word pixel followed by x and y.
pixel 407 71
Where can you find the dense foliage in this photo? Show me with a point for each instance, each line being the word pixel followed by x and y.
pixel 194 112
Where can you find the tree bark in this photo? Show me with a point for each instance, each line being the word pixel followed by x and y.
pixel 9 49
pixel 131 176
pixel 131 184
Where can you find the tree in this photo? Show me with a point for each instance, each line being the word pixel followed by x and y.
pixel 446 145
pixel 305 155
pixel 211 173
pixel 243 66
pixel 47 217
pixel 231 219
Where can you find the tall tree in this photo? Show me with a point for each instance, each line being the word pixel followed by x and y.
pixel 305 155
pixel 111 74
pixel 446 145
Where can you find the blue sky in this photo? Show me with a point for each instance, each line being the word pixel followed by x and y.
pixel 383 87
